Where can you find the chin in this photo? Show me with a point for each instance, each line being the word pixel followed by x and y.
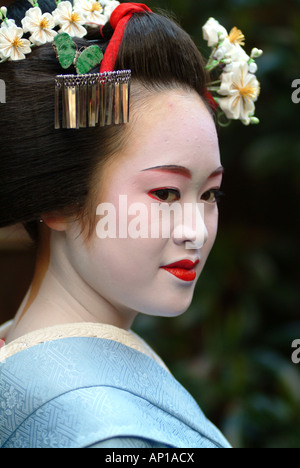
pixel 172 308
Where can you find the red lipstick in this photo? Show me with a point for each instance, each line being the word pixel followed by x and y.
pixel 184 269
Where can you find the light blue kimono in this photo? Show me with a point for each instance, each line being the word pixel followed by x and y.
pixel 93 392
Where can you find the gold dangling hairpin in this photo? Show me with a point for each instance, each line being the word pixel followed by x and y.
pixel 88 100
pixel 92 100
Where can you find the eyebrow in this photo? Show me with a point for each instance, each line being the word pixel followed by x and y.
pixel 171 168
pixel 181 170
pixel 217 172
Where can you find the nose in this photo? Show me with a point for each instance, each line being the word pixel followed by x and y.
pixel 191 229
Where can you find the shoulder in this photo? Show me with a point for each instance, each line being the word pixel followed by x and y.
pixel 104 417
pixel 79 392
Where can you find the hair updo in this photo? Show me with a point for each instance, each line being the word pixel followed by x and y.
pixel 44 170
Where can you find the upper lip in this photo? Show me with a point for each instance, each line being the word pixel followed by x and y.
pixel 185 264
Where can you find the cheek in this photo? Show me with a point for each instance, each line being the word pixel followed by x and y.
pixel 124 228
pixel 211 223
pixel 120 262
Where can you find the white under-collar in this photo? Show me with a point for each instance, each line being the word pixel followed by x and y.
pixel 72 330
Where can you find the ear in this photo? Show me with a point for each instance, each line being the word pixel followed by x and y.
pixel 56 221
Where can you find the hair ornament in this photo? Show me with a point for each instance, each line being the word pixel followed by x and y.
pixel 234 92
pixel 118 20
pixel 67 54
pixel 237 87
pixel 42 28
pixel 92 100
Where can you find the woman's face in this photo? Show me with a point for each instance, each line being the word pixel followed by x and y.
pixel 171 162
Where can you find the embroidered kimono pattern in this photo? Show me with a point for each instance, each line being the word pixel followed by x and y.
pixel 78 392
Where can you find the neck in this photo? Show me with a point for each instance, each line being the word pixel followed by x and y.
pixel 59 295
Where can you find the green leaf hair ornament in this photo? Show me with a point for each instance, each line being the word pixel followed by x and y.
pixel 88 100
pixel 68 54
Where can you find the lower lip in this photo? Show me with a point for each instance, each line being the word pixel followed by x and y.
pixel 182 273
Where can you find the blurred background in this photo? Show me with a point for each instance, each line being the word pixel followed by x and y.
pixel 232 349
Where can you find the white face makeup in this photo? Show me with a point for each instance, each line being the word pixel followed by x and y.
pixel 172 156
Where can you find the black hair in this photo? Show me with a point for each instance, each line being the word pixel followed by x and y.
pixel 43 170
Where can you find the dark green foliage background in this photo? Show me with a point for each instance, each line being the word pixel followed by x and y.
pixel 232 349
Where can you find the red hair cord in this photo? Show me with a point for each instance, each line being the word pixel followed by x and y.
pixel 118 21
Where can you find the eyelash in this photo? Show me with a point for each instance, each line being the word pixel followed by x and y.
pixel 165 190
pixel 217 194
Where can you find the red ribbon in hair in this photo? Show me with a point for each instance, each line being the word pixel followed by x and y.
pixel 209 98
pixel 118 21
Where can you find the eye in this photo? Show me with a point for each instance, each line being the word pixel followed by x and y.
pixel 212 196
pixel 167 195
